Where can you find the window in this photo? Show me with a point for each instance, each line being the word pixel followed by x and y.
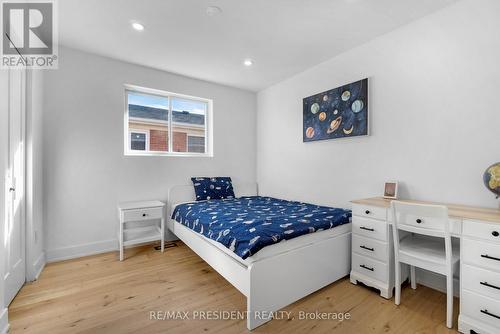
pixel 161 123
pixel 196 144
pixel 138 141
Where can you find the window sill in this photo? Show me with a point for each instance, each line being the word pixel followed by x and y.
pixel 167 154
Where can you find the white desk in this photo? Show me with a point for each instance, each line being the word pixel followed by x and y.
pixel 479 233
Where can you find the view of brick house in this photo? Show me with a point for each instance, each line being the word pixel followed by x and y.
pixel 148 130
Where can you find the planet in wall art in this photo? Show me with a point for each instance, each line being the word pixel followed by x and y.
pixel 338 113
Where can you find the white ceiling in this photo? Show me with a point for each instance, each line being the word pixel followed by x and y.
pixel 283 37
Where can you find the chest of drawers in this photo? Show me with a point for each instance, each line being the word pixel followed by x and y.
pixel 372 249
pixel 480 278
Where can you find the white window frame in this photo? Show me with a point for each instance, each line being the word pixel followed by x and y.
pixel 130 131
pixel 169 95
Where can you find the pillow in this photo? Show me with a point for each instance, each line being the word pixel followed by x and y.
pixel 212 188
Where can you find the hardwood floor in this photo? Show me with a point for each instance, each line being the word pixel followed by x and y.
pixel 99 294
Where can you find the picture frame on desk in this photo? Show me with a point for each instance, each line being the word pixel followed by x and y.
pixel 391 189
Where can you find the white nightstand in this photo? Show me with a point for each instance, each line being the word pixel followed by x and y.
pixel 136 212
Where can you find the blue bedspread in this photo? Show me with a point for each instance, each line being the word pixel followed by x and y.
pixel 246 225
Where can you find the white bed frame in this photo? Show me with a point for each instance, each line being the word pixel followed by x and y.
pixel 274 282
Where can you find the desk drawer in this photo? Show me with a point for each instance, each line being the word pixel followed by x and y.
pixel 482 281
pixel 486 231
pixel 369 211
pixel 142 214
pixel 370 228
pixel 484 309
pixel 370 247
pixel 370 267
pixel 485 254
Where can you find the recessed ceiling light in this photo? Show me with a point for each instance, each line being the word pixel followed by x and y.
pixel 137 26
pixel 213 10
pixel 248 62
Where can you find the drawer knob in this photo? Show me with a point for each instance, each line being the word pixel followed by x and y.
pixel 367 212
pixel 419 221
pixel 495 233
pixel 144 214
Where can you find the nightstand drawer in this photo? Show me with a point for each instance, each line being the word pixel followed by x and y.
pixel 142 214
pixel 369 211
pixel 370 267
pixel 370 247
pixel 370 228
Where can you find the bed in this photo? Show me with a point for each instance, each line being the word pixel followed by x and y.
pixel 279 273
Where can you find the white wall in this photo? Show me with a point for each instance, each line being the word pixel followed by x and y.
pixel 85 171
pixel 35 254
pixel 434 116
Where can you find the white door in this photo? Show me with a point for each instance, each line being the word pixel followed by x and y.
pixel 15 229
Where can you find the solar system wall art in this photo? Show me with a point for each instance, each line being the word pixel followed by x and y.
pixel 338 113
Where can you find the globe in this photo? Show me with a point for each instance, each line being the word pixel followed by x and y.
pixel 491 178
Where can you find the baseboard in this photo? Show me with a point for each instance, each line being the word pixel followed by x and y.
pixel 436 281
pixel 4 321
pixel 72 252
pixel 36 269
pixel 93 248
pixel 39 264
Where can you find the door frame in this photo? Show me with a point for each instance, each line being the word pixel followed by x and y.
pixel 35 260
pixel 4 109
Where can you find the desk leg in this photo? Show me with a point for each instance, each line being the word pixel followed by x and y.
pixel 413 278
pixel 121 240
pixel 162 235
